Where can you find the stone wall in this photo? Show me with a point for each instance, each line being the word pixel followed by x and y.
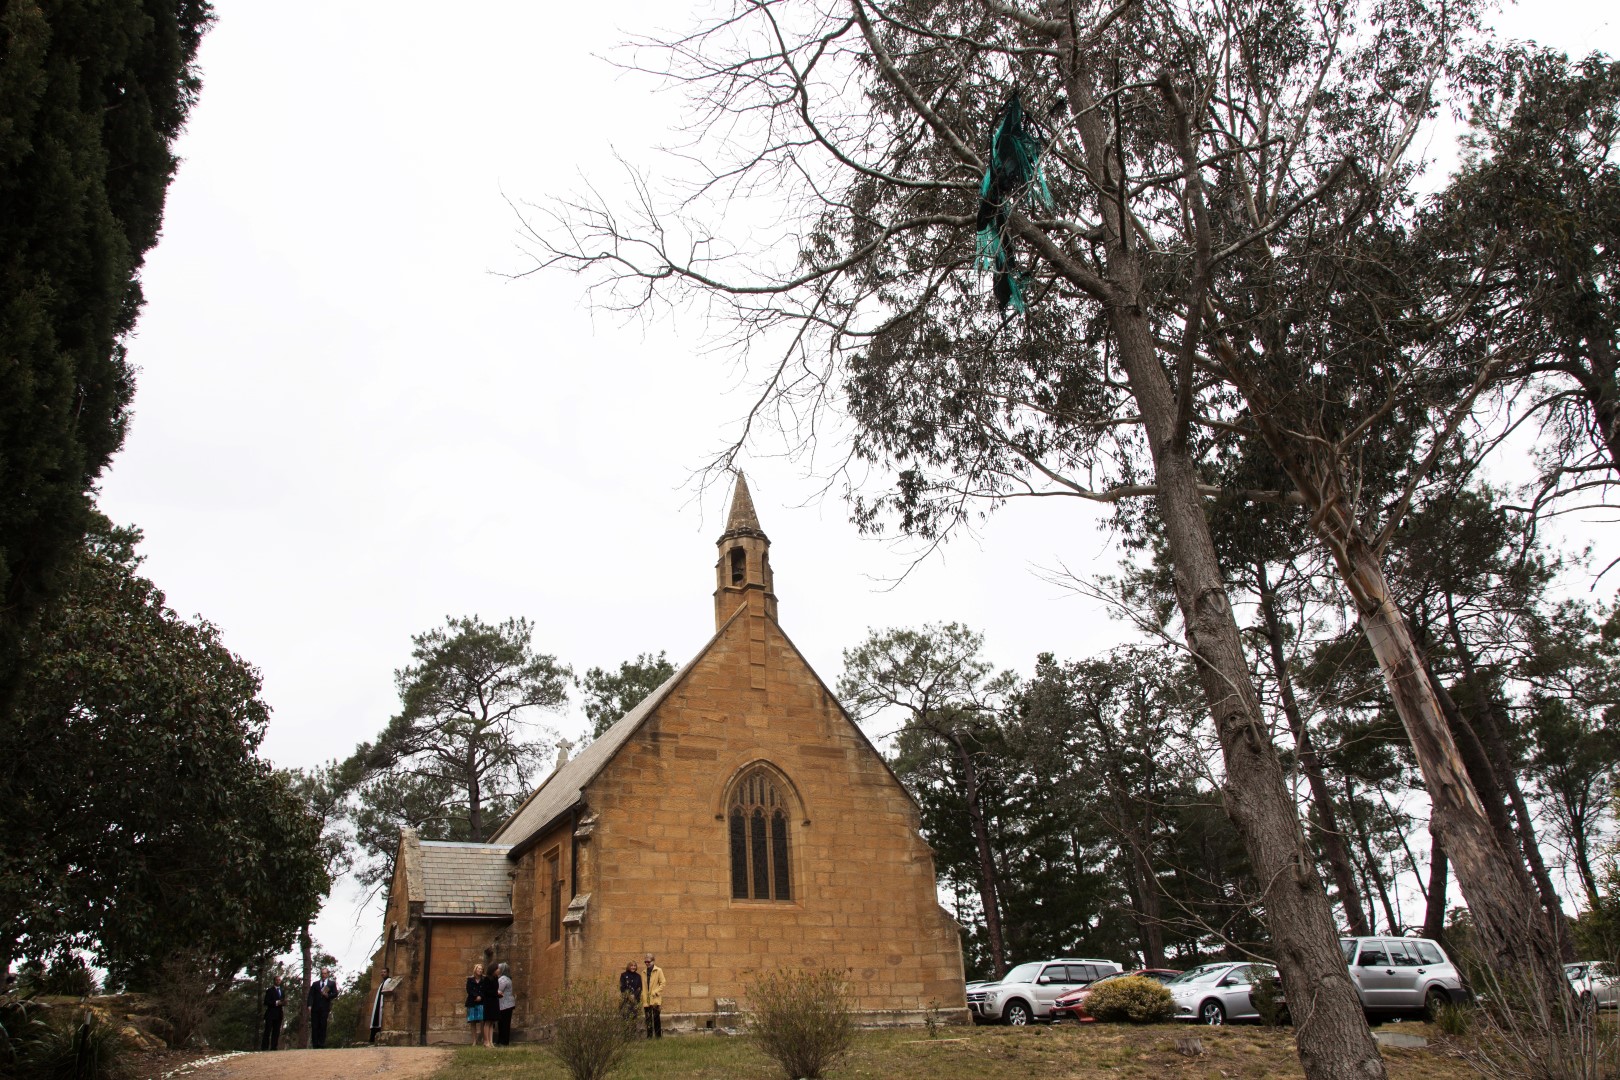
pixel 658 869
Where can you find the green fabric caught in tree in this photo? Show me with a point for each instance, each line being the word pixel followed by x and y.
pixel 1014 174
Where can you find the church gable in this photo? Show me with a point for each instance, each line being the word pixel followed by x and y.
pixel 735 822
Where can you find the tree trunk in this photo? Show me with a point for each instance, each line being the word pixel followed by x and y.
pixel 989 881
pixel 1332 841
pixel 1434 912
pixel 1514 935
pixel 1369 862
pixel 475 801
pixel 1513 932
pixel 307 948
pixel 1494 740
pixel 1335 1042
pixel 1149 910
pixel 1478 766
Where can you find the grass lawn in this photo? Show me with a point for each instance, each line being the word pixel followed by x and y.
pixel 991 1053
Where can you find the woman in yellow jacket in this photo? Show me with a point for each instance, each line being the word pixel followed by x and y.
pixel 652 998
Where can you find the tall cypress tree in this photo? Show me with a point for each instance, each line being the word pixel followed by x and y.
pixel 92 96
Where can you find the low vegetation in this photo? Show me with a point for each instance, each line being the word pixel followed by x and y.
pixel 1061 1052
pixel 1131 1000
pixel 586 1030
pixel 36 1044
pixel 802 1020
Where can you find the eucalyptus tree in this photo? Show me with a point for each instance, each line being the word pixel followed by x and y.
pixel 1201 215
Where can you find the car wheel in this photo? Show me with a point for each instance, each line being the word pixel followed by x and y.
pixel 1435 1000
pixel 1211 1013
pixel 1016 1014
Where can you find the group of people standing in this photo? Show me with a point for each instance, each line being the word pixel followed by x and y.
pixel 646 993
pixel 490 1001
pixel 318 1005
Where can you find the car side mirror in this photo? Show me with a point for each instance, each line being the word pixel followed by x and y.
pixel 1044 979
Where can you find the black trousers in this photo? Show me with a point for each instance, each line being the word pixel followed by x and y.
pixel 272 1030
pixel 317 1028
pixel 503 1027
pixel 655 1022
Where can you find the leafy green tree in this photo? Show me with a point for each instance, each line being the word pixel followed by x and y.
pixel 948 698
pixel 611 694
pixel 138 819
pixel 1109 739
pixel 1224 183
pixel 1531 221
pixel 93 94
pixel 1574 729
pixel 467 726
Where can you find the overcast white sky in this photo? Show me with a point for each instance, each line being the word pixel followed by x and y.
pixel 349 426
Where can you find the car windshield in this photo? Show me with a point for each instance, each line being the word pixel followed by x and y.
pixel 1348 947
pixel 1115 975
pixel 1206 973
pixel 1023 973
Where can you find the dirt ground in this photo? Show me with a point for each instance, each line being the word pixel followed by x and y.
pixel 394 1062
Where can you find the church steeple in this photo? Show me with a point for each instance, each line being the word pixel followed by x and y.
pixel 743 574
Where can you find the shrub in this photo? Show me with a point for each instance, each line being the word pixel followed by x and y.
pixel 68 976
pixel 586 1031
pixel 1267 996
pixel 1133 1000
pixel 1521 1029
pixel 1454 1020
pixel 802 1020
pixel 91 1049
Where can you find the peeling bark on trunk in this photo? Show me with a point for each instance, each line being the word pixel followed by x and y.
pixel 1331 1035
pixel 1514 935
pixel 1493 738
pixel 1326 817
pixel 1513 932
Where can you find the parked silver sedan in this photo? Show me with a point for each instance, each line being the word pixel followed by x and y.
pixel 1215 993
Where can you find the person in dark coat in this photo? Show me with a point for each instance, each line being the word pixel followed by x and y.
pixel 508 1001
pixel 630 992
pixel 490 988
pixel 275 1002
pixel 320 1008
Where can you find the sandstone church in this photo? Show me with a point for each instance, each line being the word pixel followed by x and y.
pixel 736 822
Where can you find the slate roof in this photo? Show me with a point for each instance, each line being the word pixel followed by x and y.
pixel 562 789
pixel 466 879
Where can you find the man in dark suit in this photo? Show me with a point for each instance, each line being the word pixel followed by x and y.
pixel 275 999
pixel 320 1007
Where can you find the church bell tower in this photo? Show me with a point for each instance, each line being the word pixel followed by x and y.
pixel 743 574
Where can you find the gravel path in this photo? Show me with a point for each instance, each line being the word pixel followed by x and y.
pixel 392 1062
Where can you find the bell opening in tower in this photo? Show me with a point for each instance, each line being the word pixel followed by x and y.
pixel 739 565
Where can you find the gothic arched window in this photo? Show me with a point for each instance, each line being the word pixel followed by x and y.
pixel 758 815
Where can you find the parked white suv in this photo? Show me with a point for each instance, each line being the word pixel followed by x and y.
pixel 1027 991
pixel 1401 975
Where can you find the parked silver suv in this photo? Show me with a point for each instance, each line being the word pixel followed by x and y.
pixel 1401 975
pixel 1027 991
